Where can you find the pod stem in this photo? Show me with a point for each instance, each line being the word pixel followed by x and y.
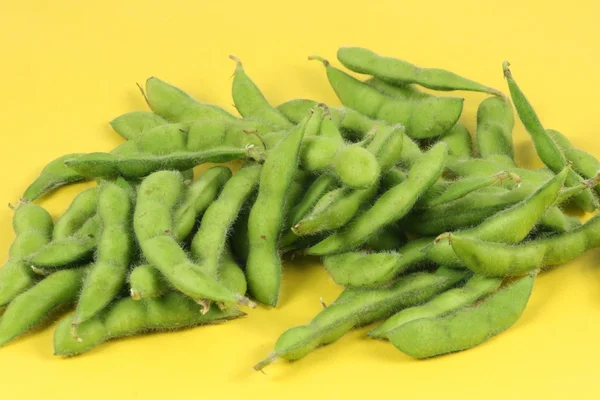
pixel 144 93
pixel 40 271
pixel 319 58
pixel 135 295
pixel 245 301
pixel 441 237
pixel 269 360
pixel 74 326
pixel 506 70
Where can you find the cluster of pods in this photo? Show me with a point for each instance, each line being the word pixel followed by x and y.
pixel 433 232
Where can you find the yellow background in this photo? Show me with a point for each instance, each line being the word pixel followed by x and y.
pixel 68 67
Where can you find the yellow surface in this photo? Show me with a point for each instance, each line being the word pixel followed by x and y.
pixel 68 67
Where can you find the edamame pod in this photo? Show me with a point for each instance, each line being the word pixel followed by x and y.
pixel 454 299
pixel 499 259
pixel 128 317
pixel 106 165
pixel 174 105
pixel 359 308
pixel 30 307
pixel 33 228
pixel 390 207
pixel 400 72
pixel 509 226
pixel 108 273
pixel 547 149
pixel 422 118
pixel 197 199
pixel 466 327
pixel 263 268
pixel 147 282
pixel 250 102
pixel 361 269
pixel 130 125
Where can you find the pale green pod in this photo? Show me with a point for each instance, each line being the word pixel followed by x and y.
pixel 105 165
pixel 82 208
pixel 108 273
pixel 425 118
pixel 33 229
pixel 400 72
pixel 362 269
pixel 209 241
pixel 174 105
pixel 153 225
pixel 495 122
pixel 250 102
pixel 359 308
pixel 266 218
pixel 197 199
pixel 29 308
pixel 54 175
pixel 132 124
pixel 548 150
pixel 66 252
pixel 147 282
pixel 500 259
pixel 466 327
pixel 509 226
pixel 393 205
pixel 128 317
pixel 454 299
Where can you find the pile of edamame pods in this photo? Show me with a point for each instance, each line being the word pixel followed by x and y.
pixel 435 234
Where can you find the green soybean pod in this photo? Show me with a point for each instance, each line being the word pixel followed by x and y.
pixel 174 105
pixel 390 238
pixel 54 175
pixel 106 165
pixel 197 198
pixel 393 205
pixel 108 274
pixel 495 122
pixel 206 134
pixel 459 142
pixel 477 255
pixel 153 226
pixel 547 149
pixel 240 243
pixel 509 226
pixel 30 307
pixel 231 273
pixel 250 102
pixel 454 299
pixel 210 240
pixel 146 282
pixel 400 72
pixel 128 317
pixel 81 209
pixel 583 163
pixel 339 206
pixel 466 327
pixel 460 188
pixel 404 91
pixel 67 252
pixel 362 269
pixel 266 218
pixel 359 308
pixel 458 139
pixel 422 118
pixel 312 195
pixel 33 228
pixel 130 125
